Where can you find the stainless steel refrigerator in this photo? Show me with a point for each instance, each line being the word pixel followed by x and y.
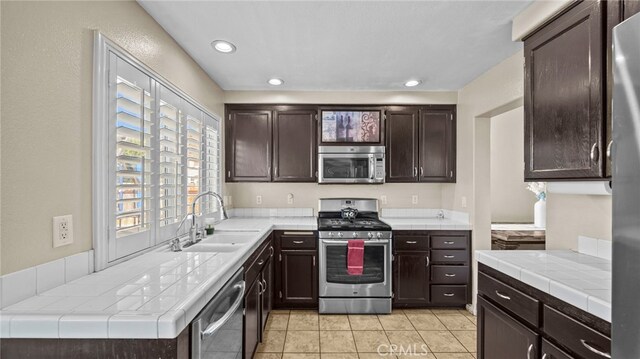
pixel 625 329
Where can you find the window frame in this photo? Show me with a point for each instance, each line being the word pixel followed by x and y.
pixel 103 194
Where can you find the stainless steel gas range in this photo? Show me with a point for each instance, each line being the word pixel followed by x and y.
pixel 339 221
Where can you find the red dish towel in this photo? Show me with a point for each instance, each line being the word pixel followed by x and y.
pixel 355 257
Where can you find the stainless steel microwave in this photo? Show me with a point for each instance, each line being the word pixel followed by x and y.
pixel 351 164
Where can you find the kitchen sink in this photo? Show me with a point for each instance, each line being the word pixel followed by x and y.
pixel 229 238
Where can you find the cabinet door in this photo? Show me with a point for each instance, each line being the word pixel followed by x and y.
pixel 252 327
pixel 267 291
pixel 411 278
pixel 297 274
pixel 630 8
pixel 564 94
pixel 437 143
pixel 294 145
pixel 402 144
pixel 248 141
pixel 501 336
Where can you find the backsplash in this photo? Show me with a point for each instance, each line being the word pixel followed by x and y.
pixel 424 213
pixel 270 212
pixel 26 283
pixel 595 247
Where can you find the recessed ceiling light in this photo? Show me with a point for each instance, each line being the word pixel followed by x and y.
pixel 275 82
pixel 412 83
pixel 223 46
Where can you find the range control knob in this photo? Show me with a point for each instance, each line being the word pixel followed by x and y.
pixel 330 234
pixel 370 235
pixel 379 235
pixel 340 234
pixel 354 234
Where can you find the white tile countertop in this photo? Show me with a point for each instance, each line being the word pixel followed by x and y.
pixel 151 296
pixel 581 280
pixel 404 224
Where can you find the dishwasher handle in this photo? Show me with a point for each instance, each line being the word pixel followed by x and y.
pixel 213 327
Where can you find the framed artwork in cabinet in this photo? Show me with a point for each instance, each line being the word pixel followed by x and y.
pixel 355 126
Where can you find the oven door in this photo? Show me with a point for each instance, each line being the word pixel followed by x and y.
pixel 375 280
pixel 347 168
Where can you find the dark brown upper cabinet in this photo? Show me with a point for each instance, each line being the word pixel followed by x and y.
pixel 402 144
pixel 437 159
pixel 565 91
pixel 294 144
pixel 421 143
pixel 267 143
pixel 248 145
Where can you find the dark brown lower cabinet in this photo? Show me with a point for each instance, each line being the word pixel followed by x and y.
pixel 258 299
pixel 411 278
pixel 501 336
pixel 40 348
pixel 296 270
pixel 516 320
pixel 431 268
pixel 252 318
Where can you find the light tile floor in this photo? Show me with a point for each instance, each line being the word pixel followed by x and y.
pixel 300 334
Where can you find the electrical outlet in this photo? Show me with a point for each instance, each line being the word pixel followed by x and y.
pixel 290 198
pixel 414 199
pixel 62 230
pixel 383 199
pixel 464 202
pixel 258 199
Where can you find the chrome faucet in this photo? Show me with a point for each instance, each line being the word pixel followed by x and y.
pixel 195 235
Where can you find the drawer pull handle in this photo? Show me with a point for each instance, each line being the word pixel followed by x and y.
pixel 529 351
pixel 261 262
pixel 503 296
pixel 594 350
pixel 449 256
pixel 449 294
pixel 298 233
pixel 545 356
pixel 448 242
pixel 411 242
pixel 449 275
pixel 298 242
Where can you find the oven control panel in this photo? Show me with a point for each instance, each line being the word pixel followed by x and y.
pixel 345 235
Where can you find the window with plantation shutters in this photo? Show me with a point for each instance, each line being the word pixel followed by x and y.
pixel 155 150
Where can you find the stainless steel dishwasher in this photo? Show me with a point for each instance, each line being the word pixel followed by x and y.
pixel 217 331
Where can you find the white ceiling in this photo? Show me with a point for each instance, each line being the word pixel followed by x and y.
pixel 342 45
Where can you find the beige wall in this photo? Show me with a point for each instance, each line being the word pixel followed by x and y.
pixel 46 113
pixel 307 194
pixel 570 216
pixel 511 202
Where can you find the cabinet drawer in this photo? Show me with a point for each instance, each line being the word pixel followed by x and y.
pixel 449 242
pixel 449 294
pixel 577 337
pixel 302 240
pixel 252 271
pixel 509 298
pixel 411 242
pixel 449 274
pixel 450 256
pixel 553 352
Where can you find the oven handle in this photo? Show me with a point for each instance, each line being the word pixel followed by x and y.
pixel 213 327
pixel 378 241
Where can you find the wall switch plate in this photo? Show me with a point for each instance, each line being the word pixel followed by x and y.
pixel 62 230
pixel 464 202
pixel 414 199
pixel 258 199
pixel 290 198
pixel 383 199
